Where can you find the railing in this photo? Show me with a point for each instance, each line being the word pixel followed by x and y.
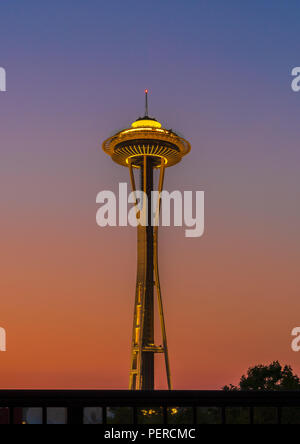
pixel 157 407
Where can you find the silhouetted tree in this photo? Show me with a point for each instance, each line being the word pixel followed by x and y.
pixel 271 377
pixel 268 378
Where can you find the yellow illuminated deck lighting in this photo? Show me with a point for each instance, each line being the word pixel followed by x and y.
pixel 146 123
pixel 147 146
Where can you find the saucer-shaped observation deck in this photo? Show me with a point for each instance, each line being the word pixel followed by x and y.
pixel 146 137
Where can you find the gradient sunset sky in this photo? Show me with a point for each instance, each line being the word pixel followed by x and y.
pixel 218 72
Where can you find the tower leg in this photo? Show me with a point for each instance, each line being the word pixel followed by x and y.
pixel 157 280
pixel 142 359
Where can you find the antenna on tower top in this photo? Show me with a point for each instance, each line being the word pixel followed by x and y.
pixel 146 103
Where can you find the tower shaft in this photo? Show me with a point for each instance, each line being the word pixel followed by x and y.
pixel 143 347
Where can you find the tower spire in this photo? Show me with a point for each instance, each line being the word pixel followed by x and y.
pixel 146 103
